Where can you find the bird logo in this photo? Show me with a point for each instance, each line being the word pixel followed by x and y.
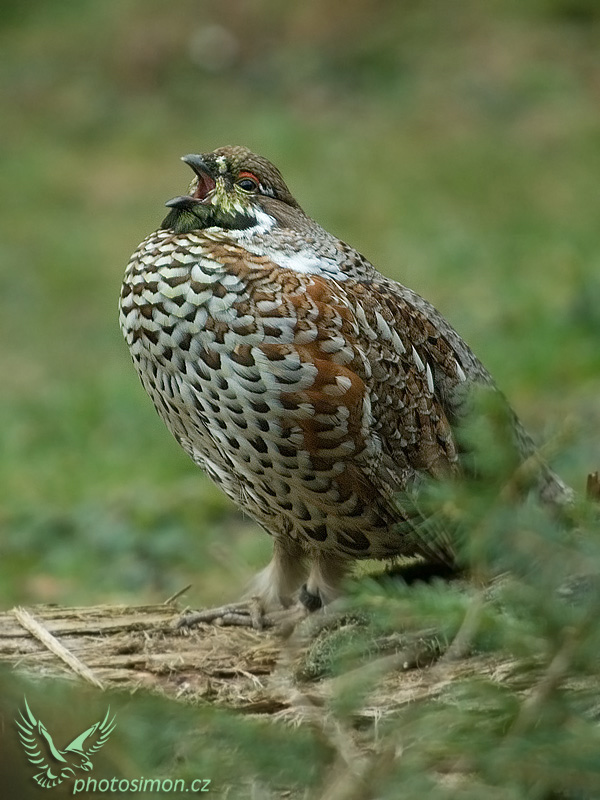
pixel 54 765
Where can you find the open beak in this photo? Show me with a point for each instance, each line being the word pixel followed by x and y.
pixel 185 202
pixel 206 184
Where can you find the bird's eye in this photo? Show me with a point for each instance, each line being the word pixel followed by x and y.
pixel 248 182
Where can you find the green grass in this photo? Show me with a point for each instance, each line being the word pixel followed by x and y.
pixel 457 148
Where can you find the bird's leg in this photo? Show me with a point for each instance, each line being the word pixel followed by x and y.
pixel 277 583
pixel 269 597
pixel 326 573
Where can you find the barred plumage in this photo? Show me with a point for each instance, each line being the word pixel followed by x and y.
pixel 311 388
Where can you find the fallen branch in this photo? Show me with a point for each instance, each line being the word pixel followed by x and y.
pixel 258 672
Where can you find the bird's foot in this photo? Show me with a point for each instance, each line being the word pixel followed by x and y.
pixel 311 602
pixel 245 614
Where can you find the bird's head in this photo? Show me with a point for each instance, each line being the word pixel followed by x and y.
pixel 85 764
pixel 233 189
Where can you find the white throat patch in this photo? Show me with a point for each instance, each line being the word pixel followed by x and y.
pixel 264 223
pixel 303 260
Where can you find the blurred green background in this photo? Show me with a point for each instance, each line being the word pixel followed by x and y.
pixel 457 145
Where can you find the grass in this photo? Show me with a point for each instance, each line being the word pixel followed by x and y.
pixel 458 150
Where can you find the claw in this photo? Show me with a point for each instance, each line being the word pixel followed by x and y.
pixel 246 614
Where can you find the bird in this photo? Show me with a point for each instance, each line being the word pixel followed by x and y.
pixel 59 765
pixel 311 388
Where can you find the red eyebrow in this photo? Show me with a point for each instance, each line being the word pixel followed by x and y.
pixel 244 174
